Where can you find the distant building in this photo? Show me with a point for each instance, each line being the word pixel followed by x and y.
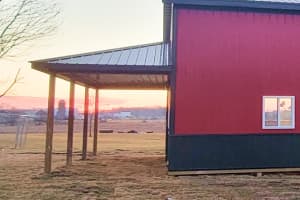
pixel 40 116
pixel 61 112
pixel 123 115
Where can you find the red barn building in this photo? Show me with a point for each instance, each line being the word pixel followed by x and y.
pixel 232 68
pixel 235 85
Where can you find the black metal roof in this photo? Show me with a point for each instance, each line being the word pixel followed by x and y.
pixel 154 54
pixel 284 5
pixel 136 67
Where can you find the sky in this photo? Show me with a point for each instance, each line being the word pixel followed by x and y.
pixel 86 26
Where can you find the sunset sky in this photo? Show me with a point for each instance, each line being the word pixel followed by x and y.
pixel 86 26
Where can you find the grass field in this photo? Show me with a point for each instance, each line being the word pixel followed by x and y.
pixel 128 166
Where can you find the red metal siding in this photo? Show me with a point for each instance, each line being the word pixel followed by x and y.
pixel 226 62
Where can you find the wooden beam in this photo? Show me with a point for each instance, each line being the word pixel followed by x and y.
pixel 50 124
pixel 96 123
pixel 96 68
pixel 85 123
pixel 70 124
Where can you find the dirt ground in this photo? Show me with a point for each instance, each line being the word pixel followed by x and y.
pixel 129 167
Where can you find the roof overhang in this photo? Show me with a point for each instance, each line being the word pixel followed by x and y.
pixel 136 67
pixel 278 5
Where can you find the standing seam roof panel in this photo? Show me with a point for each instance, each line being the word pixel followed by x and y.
pixel 133 57
pixel 142 57
pixel 105 59
pixel 115 58
pixel 91 59
pixel 146 55
pixel 99 58
pixel 158 55
pixel 124 57
pixel 150 56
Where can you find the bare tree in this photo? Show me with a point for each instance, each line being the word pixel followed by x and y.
pixel 22 22
pixel 11 85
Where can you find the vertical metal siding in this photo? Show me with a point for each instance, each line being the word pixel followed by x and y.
pixel 226 62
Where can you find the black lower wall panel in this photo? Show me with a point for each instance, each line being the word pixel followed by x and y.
pixel 221 152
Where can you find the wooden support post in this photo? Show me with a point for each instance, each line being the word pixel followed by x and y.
pixel 85 123
pixel 70 124
pixel 96 123
pixel 50 124
pixel 259 174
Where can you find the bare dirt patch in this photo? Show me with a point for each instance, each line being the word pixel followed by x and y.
pixel 129 166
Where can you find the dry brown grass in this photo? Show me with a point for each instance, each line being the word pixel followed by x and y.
pixel 129 166
pixel 141 126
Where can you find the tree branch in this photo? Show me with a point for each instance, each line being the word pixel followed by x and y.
pixel 15 81
pixel 13 19
pixel 22 22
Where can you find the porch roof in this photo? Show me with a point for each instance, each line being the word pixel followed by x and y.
pixel 136 67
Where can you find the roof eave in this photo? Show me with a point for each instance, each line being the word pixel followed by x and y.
pixel 91 68
pixel 282 6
